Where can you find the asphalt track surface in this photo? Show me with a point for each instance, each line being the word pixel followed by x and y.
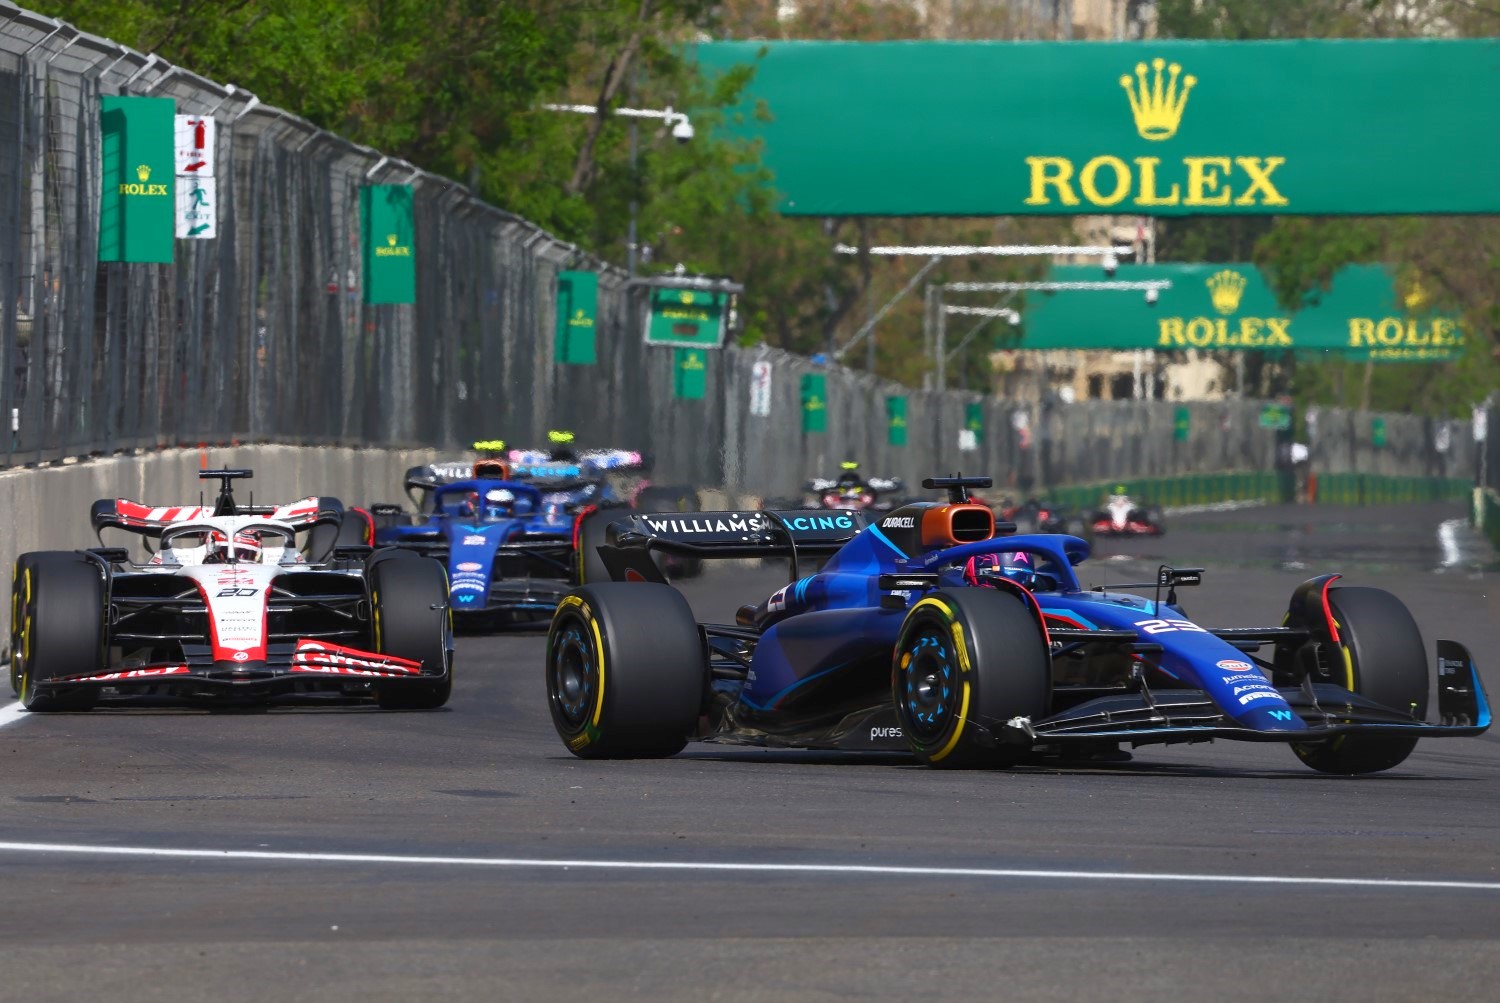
pixel 466 855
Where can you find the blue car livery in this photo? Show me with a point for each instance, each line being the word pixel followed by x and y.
pixel 932 629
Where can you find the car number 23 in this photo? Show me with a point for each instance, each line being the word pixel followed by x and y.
pixel 1167 626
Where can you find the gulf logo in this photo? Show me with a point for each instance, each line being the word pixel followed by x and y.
pixel 469 566
pixel 1234 665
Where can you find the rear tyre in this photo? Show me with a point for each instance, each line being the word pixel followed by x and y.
pixel 409 603
pixel 1382 657
pixel 626 671
pixel 967 661
pixel 61 605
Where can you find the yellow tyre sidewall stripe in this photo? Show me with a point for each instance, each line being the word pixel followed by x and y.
pixel 965 665
pixel 574 602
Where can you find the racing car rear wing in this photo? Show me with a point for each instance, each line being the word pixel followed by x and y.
pixel 150 520
pixel 793 533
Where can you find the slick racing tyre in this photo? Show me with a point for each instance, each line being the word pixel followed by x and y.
pixel 1380 656
pixel 59 602
pixel 680 499
pixel 626 671
pixel 966 662
pixel 409 607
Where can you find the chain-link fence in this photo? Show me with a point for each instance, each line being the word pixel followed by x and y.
pixel 261 335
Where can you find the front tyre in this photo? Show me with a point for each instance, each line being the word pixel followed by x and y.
pixel 409 606
pixel 966 662
pixel 626 671
pixel 1380 656
pixel 60 602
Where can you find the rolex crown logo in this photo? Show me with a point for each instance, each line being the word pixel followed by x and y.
pixel 1158 107
pixel 143 171
pixel 1415 296
pixel 1226 288
pixel 686 297
pixel 390 239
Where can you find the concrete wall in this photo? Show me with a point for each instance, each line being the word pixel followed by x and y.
pixel 48 508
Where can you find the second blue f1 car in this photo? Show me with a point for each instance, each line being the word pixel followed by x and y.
pixel 937 631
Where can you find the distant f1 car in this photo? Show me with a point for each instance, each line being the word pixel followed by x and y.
pixel 850 491
pixel 1121 516
pixel 935 630
pixel 228 608
pixel 1037 515
pixel 508 527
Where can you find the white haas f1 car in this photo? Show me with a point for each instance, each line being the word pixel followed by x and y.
pixel 227 607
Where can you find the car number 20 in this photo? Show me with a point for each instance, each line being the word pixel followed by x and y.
pixel 1167 626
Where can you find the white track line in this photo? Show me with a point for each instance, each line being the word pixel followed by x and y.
pixel 11 713
pixel 80 849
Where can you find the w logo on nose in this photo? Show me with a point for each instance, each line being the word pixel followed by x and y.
pixel 1282 715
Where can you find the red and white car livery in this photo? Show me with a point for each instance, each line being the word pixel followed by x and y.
pixel 227 604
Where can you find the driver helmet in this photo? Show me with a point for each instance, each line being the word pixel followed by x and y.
pixel 244 547
pixel 498 502
pixel 1018 566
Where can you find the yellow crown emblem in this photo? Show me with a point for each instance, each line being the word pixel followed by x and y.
pixel 143 172
pixel 390 239
pixel 1157 108
pixel 685 296
pixel 1226 288
pixel 1415 297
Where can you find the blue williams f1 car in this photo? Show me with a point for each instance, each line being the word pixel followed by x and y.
pixel 509 526
pixel 935 630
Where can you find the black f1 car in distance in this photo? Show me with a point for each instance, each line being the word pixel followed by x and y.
pixel 228 608
pixel 937 631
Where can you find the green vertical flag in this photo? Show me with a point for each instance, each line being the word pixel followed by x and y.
pixel 974 419
pixel 1181 422
pixel 389 258
pixel 1377 432
pixel 577 308
pixel 814 402
pixel 689 373
pixel 137 214
pixel 895 420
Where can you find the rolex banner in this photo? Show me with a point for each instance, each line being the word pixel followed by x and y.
pixel 389 258
pixel 814 402
pixel 689 373
pixel 1159 128
pixel 895 420
pixel 1366 313
pixel 577 312
pixel 138 209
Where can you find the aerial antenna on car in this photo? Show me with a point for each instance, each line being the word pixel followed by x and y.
pixel 958 486
pixel 224 504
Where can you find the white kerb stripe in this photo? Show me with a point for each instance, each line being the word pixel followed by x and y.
pixel 11 713
pixel 732 867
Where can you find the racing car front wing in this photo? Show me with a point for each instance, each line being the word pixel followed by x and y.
pixel 1323 710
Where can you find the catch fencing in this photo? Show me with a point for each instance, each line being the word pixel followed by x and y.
pixel 261 335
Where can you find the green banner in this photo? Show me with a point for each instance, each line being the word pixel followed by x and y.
pixel 1182 423
pixel 138 211
pixel 814 402
pixel 895 420
pixel 577 312
pixel 686 317
pixel 1276 416
pixel 689 373
pixel 1160 128
pixel 1231 307
pixel 1377 432
pixel 974 420
pixel 389 257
